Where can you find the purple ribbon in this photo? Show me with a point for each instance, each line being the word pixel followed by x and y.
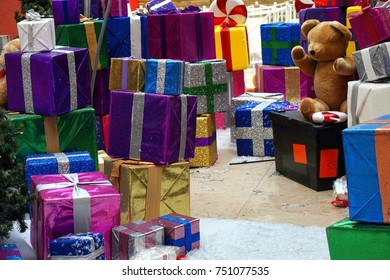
pixel 125 63
pixel 205 141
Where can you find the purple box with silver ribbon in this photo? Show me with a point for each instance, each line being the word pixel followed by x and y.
pixel 48 83
pixel 152 127
pixel 65 11
pixel 72 203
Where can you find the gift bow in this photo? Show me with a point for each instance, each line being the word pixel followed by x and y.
pixel 32 15
pixel 229 12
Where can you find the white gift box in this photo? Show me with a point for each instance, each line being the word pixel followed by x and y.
pixel 37 35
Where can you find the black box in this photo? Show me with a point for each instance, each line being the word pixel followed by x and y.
pixel 308 153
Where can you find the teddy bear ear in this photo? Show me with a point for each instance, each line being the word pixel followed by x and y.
pixel 308 25
pixel 347 35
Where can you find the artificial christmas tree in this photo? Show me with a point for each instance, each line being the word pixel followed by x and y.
pixel 43 7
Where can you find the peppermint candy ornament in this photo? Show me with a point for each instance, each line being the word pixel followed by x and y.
pixel 303 4
pixel 228 12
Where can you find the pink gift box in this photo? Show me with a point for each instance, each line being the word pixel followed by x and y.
pixel 72 203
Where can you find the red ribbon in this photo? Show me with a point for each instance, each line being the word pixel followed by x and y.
pixel 226 50
pixel 2 73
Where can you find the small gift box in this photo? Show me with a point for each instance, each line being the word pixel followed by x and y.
pixel 131 238
pixel 164 76
pixel 48 83
pixel 128 74
pixel 78 246
pixel 89 8
pixel 10 252
pixel 159 252
pixel 139 36
pixel 208 80
pixel 118 37
pixel 118 8
pixel 65 11
pixel 101 92
pixel 158 6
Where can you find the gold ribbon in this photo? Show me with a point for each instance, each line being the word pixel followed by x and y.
pixel 51 134
pixel 90 33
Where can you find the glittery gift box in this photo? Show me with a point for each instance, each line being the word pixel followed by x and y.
pixel 152 127
pixel 10 252
pixel 277 41
pixel 254 135
pixel 149 190
pixel 85 35
pixel 101 92
pixel 127 74
pixel 89 8
pixel 336 3
pixel 351 240
pixel 181 36
pixel 181 231
pixel 131 238
pixel 99 134
pixel 70 132
pixel 289 80
pixel 205 142
pixel 231 44
pixel 371 27
pixel 139 36
pixel 352 45
pixel 208 80
pixel 118 37
pixel 65 11
pixel 36 35
pixel 78 246
pixel 72 203
pixel 156 6
pixel 48 83
pixel 118 8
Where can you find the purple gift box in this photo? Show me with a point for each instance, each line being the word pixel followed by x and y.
pixel 158 6
pixel 101 92
pixel 48 82
pixel 65 11
pixel 72 203
pixel 151 127
pixel 118 8
pixel 89 8
pixel 182 36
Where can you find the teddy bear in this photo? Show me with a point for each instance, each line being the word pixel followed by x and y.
pixel 326 61
pixel 11 46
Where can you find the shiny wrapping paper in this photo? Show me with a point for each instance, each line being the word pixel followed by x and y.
pixel 231 44
pixel 254 134
pixel 118 37
pixel 139 36
pixel 277 41
pixel 89 8
pixel 131 238
pixel 152 127
pixel 85 35
pixel 78 246
pixel 99 134
pixel 351 240
pixel 48 83
pixel 106 126
pixel 71 132
pixel 336 3
pixel 237 83
pixel 208 80
pixel 366 148
pixel 181 36
pixel 164 76
pixel 289 80
pixel 148 190
pixel 371 27
pixel 65 11
pixel 10 252
pixel 157 6
pixel 127 74
pixel 118 8
pixel 85 203
pixel 101 92
pixel 206 152
pixel 181 231
pixel 352 45
pixel 36 35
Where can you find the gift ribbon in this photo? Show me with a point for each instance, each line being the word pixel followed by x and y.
pixel 183 131
pixel 51 134
pixel 92 43
pixel 158 5
pixel 137 117
pixel 205 141
pixel 163 36
pixel 32 15
pixel 27 85
pixel 226 50
pixel 65 11
pixel 199 37
pixel 161 74
pixel 125 65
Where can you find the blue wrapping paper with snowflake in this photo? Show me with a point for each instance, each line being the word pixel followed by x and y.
pixel 254 134
pixel 79 246
pixel 10 252
pixel 277 41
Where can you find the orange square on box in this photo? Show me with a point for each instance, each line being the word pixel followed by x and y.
pixel 299 151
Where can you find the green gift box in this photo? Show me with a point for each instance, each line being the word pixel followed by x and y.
pixel 85 35
pixel 70 132
pixel 351 240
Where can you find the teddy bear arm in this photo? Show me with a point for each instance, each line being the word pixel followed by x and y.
pixel 307 65
pixel 344 66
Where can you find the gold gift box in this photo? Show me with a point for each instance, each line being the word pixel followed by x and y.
pixel 205 143
pixel 149 190
pixel 131 68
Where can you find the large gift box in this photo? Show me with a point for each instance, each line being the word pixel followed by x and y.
pixel 206 152
pixel 181 231
pixel 208 80
pixel 351 240
pixel 352 45
pixel 65 11
pixel 48 83
pixel 70 132
pixel 101 92
pixel 289 80
pixel 78 246
pixel 36 34
pixel 152 127
pixel 10 251
pixel 118 8
pixel 131 238
pixel 139 36
pixel 277 41
pixel 85 35
pixel 310 154
pixel 367 101
pixel 128 74
pixel 72 203
pixel 181 36
pixel 366 148
pixel 118 37
pixel 149 190
pixel 231 44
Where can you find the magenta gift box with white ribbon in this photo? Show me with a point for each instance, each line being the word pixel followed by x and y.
pixel 72 203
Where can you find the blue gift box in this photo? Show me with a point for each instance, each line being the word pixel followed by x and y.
pixel 118 37
pixel 79 246
pixel 254 128
pixel 164 76
pixel 10 252
pixel 277 41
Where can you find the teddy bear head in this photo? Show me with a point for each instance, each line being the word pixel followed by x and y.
pixel 327 40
